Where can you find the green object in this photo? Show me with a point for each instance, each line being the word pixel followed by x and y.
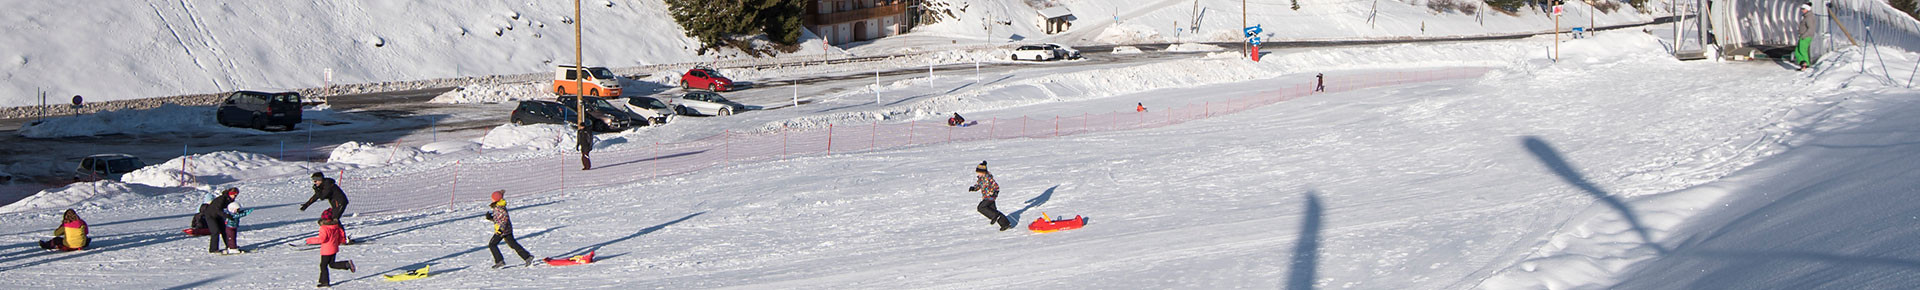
pixel 1800 54
pixel 409 275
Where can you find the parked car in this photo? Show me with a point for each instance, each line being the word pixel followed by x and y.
pixel 598 81
pixel 705 78
pixel 1034 52
pixel 260 110
pixel 598 118
pixel 707 103
pixel 106 166
pixel 1063 51
pixel 653 109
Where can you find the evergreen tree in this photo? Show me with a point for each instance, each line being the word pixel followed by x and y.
pixel 1906 6
pixel 715 23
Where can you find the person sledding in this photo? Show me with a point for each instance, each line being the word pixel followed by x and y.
pixel 503 231
pixel 329 189
pixel 956 120
pixel 70 236
pixel 214 214
pixel 989 190
pixel 199 225
pixel 329 237
pixel 1140 107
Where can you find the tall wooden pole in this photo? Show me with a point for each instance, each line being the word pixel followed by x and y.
pixel 1245 49
pixel 580 74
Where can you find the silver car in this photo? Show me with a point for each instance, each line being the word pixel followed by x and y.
pixel 708 104
pixel 651 108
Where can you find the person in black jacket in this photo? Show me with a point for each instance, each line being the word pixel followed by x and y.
pixel 328 189
pixel 585 140
pixel 215 216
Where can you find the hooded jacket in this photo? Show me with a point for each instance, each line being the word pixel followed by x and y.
pixel 328 190
pixel 329 239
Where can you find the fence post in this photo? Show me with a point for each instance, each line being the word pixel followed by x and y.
pixel 910 126
pixel 990 128
pixel 1056 126
pixel 783 139
pixel 829 139
pixel 455 192
pixel 873 135
pixel 653 166
pixel 726 146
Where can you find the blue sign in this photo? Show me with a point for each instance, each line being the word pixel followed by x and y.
pixel 1253 30
pixel 1255 41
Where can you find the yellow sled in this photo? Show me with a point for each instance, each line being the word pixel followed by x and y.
pixel 409 275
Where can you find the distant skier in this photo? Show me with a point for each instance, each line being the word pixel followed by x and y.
pixel 1801 56
pixel 329 189
pixel 989 190
pixel 1319 82
pixel 956 120
pixel 329 237
pixel 214 215
pixel 585 140
pixel 70 236
pixel 503 231
pixel 1140 107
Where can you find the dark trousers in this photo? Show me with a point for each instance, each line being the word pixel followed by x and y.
pixel 494 246
pixel 585 163
pixel 217 230
pixel 326 262
pixel 987 208
pixel 338 213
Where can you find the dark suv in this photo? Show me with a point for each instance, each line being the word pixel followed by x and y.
pixel 601 116
pixel 259 110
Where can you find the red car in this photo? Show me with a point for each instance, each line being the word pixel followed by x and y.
pixel 705 78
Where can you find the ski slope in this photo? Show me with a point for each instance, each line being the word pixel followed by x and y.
pixel 1487 182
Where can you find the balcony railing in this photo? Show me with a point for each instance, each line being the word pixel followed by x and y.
pixel 860 14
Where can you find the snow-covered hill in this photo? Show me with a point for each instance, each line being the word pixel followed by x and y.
pixel 112 50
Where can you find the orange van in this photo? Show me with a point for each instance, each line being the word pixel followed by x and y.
pixel 598 82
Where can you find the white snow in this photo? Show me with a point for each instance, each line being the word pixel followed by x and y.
pixel 493 93
pixel 1126 50
pixel 1614 167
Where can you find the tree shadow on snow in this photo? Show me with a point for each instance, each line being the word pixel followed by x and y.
pixel 201 283
pixel 1306 250
pixel 506 253
pixel 642 232
pixel 1551 158
pixel 1032 202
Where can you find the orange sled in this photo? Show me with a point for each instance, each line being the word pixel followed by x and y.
pixel 1044 225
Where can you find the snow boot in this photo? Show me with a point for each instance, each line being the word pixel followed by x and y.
pixel 528 261
pixel 351 268
pixel 497 265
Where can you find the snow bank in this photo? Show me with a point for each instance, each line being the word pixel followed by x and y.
pixel 493 93
pixel 366 154
pixel 540 137
pixel 219 168
pixel 1126 50
pixel 1129 33
pixel 444 147
pixel 1193 47
pixel 82 194
pixel 167 118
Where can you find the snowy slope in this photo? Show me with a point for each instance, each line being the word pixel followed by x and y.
pixel 1431 185
pixel 115 50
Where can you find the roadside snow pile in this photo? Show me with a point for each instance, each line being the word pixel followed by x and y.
pixel 366 154
pixel 169 118
pixel 1126 50
pixel 1193 47
pixel 82 194
pixel 444 147
pixel 540 137
pixel 218 168
pixel 492 93
pixel 1128 33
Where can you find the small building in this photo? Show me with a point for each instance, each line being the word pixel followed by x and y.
pixel 845 21
pixel 1056 19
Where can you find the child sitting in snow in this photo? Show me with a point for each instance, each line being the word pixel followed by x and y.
pixel 70 236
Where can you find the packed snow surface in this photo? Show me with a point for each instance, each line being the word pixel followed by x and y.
pixel 1514 178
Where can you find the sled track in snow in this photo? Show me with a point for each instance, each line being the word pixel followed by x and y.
pixel 455 181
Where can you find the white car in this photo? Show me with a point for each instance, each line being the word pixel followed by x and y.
pixel 651 108
pixel 707 103
pixel 1034 53
pixel 1064 51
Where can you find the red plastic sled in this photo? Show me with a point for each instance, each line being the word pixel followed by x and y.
pixel 575 260
pixel 197 232
pixel 1042 225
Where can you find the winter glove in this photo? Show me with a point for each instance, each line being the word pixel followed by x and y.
pixel 973 188
pixel 303 207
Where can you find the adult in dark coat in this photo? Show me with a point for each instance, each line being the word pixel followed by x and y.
pixel 215 216
pixel 328 189
pixel 585 140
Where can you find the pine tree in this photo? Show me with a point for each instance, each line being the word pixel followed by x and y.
pixel 715 23
pixel 1906 6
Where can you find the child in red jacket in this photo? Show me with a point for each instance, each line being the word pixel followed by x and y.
pixel 329 239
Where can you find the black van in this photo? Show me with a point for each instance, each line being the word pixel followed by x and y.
pixel 259 110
